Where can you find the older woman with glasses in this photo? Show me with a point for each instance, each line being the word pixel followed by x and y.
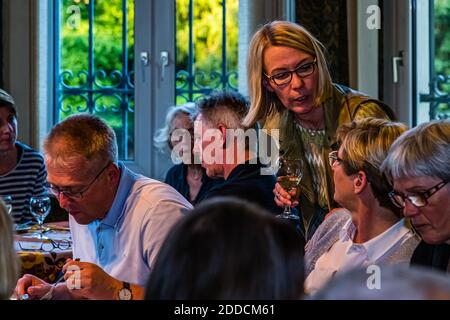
pixel 291 90
pixel 370 229
pixel 419 166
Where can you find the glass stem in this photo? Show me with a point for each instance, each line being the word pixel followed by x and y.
pixel 287 210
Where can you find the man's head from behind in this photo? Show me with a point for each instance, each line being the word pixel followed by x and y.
pixel 81 159
pixel 200 260
pixel 220 136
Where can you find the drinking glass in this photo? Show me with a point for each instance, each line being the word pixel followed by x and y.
pixel 7 200
pixel 289 174
pixel 40 208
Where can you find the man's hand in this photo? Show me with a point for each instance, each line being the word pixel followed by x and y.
pixel 88 281
pixel 284 198
pixel 33 286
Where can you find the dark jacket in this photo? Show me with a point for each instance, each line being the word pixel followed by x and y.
pixel 434 256
pixel 176 177
pixel 246 182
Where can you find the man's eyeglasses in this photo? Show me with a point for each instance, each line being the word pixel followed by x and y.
pixel 47 245
pixel 74 194
pixel 419 199
pixel 285 77
pixel 333 158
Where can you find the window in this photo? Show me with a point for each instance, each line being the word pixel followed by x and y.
pixel 94 57
pixel 129 60
pixel 206 47
pixel 434 93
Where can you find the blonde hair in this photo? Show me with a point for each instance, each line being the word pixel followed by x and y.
pixel 9 262
pixel 288 34
pixel 365 145
pixel 422 151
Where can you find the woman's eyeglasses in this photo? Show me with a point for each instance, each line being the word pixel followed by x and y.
pixel 47 245
pixel 285 77
pixel 419 199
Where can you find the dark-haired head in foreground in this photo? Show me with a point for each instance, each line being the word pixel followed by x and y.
pixel 228 249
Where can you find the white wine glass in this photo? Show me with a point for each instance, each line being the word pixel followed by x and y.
pixel 40 208
pixel 7 200
pixel 290 173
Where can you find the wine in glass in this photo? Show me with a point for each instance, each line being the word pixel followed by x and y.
pixel 289 174
pixel 7 200
pixel 40 208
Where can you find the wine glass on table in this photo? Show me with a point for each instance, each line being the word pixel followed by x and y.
pixel 290 173
pixel 7 200
pixel 40 208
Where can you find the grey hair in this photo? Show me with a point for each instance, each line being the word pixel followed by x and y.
pixel 421 151
pixel 162 135
pixel 224 107
pixel 83 135
pixel 396 282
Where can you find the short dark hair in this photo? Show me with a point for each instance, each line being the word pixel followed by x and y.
pixel 229 249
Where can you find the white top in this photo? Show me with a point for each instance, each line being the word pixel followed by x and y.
pixel 345 254
pixel 125 243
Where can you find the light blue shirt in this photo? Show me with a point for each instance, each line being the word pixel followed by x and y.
pixel 125 243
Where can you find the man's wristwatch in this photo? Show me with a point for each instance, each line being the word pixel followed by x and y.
pixel 125 293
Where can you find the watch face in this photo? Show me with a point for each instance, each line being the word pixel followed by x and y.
pixel 125 294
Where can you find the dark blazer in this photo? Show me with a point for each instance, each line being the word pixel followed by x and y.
pixel 246 182
pixel 176 177
pixel 434 256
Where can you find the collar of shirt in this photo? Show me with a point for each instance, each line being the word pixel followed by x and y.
pixel 376 247
pixel 127 179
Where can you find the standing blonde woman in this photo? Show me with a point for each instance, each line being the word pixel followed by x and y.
pixel 9 263
pixel 291 89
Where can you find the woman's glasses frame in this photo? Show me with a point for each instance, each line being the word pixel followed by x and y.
pixel 418 199
pixel 285 77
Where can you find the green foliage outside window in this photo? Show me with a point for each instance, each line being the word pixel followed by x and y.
pixel 207 38
pixel 442 45
pixel 107 45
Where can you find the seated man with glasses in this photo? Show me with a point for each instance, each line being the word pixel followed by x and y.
pixel 118 219
pixel 419 166
pixel 368 230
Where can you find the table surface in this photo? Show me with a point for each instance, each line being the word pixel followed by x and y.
pixel 46 265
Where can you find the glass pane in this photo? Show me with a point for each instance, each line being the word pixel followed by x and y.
pixel 442 55
pixel 94 65
pixel 203 62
